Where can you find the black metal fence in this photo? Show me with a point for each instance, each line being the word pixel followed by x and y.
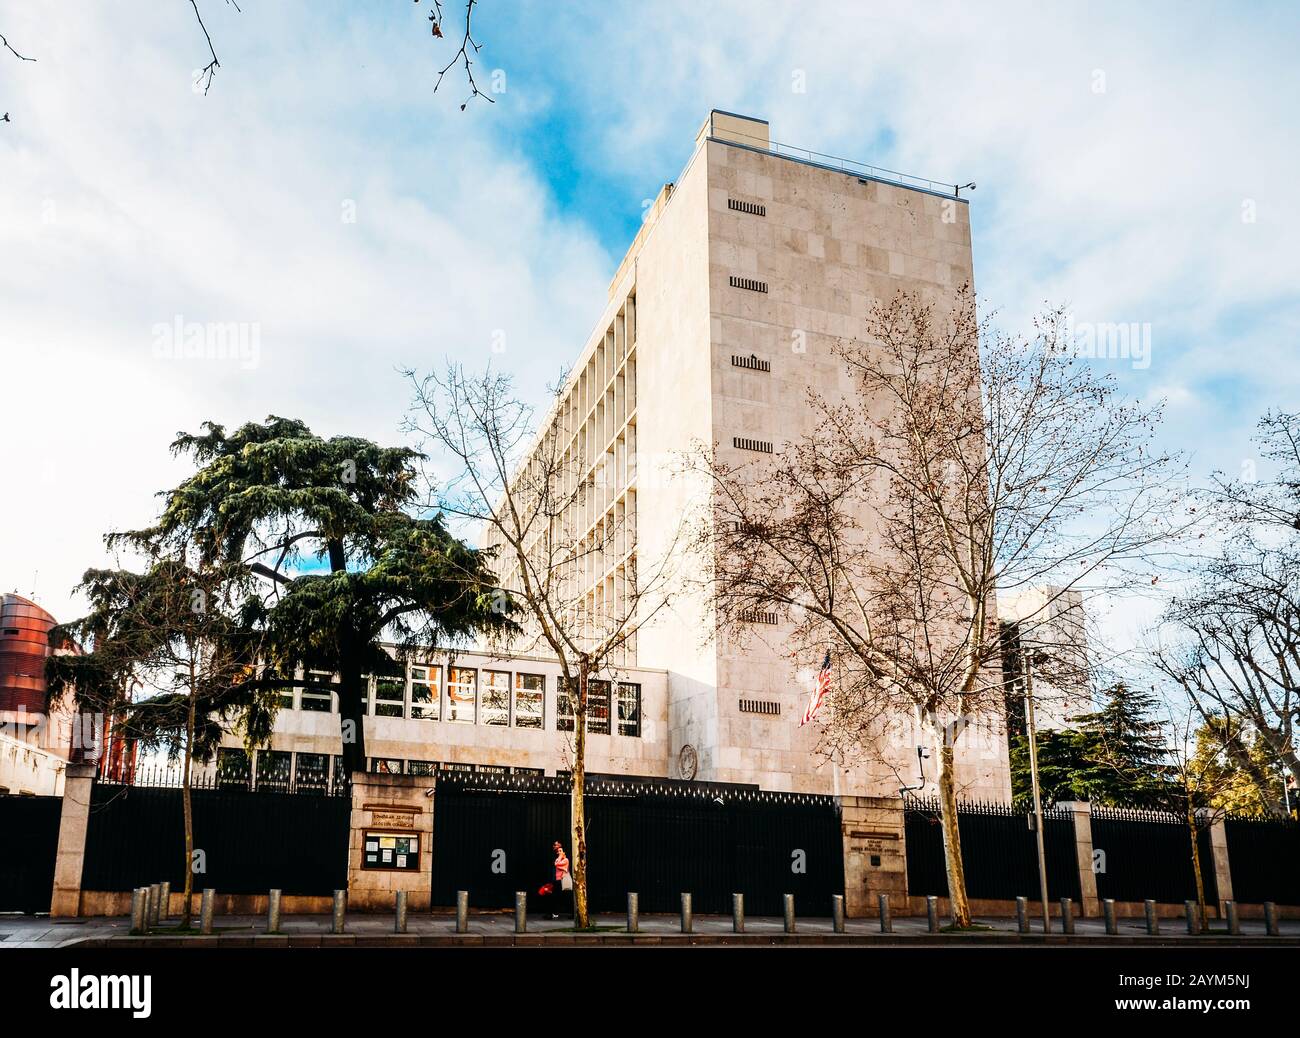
pixel 29 843
pixel 1140 855
pixel 1264 859
pixel 493 836
pixel 247 842
pixel 999 851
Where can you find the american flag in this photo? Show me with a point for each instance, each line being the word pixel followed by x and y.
pixel 819 693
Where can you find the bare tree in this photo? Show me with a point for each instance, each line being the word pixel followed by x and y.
pixel 464 56
pixel 961 462
pixel 1192 791
pixel 168 660
pixel 1231 644
pixel 554 512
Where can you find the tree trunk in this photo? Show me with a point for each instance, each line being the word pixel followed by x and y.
pixel 1196 865
pixel 952 835
pixel 579 802
pixel 352 689
pixel 188 805
pixel 352 710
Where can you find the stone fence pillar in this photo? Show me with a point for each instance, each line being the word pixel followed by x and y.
pixel 875 854
pixel 1222 869
pixel 1081 812
pixel 391 844
pixel 78 782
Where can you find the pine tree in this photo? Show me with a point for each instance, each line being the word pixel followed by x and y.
pixel 277 493
pixel 1125 759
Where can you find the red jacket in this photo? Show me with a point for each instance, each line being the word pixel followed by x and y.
pixel 561 866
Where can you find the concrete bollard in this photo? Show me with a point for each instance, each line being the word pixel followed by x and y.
pixel 164 899
pixel 1022 914
pixel 462 911
pixel 1234 924
pixel 1270 920
pixel 886 917
pixel 738 913
pixel 1067 915
pixel 273 912
pixel 339 918
pixel 787 901
pixel 521 911
pixel 206 908
pixel 1108 910
pixel 1193 913
pixel 139 910
pixel 151 915
pixel 837 912
pixel 932 913
pixel 633 913
pixel 1153 920
pixel 688 917
pixel 399 923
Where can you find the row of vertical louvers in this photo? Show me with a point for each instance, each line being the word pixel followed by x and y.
pixel 752 362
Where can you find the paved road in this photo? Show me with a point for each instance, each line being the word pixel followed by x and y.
pixel 498 929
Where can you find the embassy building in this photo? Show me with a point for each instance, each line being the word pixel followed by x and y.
pixel 722 313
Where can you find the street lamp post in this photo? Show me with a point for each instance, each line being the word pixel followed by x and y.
pixel 1038 800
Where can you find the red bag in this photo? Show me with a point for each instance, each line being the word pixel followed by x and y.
pixel 546 889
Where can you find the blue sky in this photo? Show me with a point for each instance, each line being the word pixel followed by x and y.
pixel 1118 149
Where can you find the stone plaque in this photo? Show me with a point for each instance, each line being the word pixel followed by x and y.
pixel 392 818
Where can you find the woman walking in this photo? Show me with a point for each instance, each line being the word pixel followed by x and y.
pixel 563 881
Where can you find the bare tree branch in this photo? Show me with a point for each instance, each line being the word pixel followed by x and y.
pixel 9 47
pixel 210 69
pixel 468 47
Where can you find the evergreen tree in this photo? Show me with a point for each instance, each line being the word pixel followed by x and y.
pixel 1124 749
pixel 276 493
pixel 1061 765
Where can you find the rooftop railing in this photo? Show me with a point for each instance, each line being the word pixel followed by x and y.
pixel 843 165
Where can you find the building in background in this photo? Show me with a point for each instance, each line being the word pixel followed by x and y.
pixel 722 314
pixel 1045 624
pixel 35 740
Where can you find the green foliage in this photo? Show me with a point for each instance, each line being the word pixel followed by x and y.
pixel 157 638
pixel 1237 769
pixel 272 496
pixel 1115 756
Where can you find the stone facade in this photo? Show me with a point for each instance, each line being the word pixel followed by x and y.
pixel 390 804
pixel 657 377
pixel 875 855
pixel 824 245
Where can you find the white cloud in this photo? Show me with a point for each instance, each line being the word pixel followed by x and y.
pixel 128 200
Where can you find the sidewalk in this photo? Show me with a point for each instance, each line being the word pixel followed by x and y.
pixel 497 929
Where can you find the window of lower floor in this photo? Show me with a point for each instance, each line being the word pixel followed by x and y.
pixel 233 768
pixel 274 770
pixel 530 699
pixel 461 694
pixel 390 697
pixel 318 699
pixel 496 697
pixel 426 693
pixel 311 772
pixel 629 709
